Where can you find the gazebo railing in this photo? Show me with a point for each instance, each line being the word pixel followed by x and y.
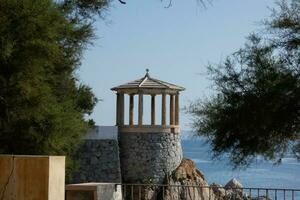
pixel 149 128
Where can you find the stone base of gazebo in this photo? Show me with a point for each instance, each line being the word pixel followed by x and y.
pixel 148 157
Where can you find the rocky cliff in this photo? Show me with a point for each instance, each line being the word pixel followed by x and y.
pixel 188 176
pixel 186 182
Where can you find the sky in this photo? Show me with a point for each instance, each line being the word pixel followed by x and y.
pixel 176 44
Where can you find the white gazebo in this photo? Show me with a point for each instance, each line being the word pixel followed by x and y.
pixel 148 86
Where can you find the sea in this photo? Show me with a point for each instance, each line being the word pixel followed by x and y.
pixel 262 173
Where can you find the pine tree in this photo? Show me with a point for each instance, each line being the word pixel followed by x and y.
pixel 42 103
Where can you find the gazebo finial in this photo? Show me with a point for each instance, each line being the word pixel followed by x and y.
pixel 147 72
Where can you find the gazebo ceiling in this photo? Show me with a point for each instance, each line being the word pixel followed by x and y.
pixel 148 82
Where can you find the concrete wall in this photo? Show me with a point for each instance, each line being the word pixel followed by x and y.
pixel 56 177
pixel 99 157
pixel 148 157
pixel 32 177
pixel 93 191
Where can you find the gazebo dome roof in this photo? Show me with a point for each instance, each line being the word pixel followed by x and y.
pixel 148 82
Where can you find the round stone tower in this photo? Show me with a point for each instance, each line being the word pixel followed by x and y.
pixel 148 152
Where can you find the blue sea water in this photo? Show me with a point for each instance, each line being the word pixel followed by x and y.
pixel 260 174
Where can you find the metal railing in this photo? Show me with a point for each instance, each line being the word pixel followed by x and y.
pixel 196 192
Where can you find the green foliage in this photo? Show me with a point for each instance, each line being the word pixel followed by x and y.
pixel 42 104
pixel 256 106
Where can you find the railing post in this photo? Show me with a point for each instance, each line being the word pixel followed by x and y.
pixel 125 188
pixel 140 194
pixel 132 192
pixel 250 193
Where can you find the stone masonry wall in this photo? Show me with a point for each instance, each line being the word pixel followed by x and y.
pixel 148 157
pixel 99 161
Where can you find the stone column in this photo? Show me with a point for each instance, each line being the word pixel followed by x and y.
pixel 177 109
pixel 153 109
pixel 172 109
pixel 140 122
pixel 131 108
pixel 121 111
pixel 163 110
pixel 118 110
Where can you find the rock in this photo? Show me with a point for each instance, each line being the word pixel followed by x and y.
pixel 187 174
pixel 233 183
pixel 234 190
pixel 186 182
pixel 218 190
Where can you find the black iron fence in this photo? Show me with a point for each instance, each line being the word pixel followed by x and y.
pixel 195 192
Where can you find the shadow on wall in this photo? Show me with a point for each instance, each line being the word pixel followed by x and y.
pixel 98 157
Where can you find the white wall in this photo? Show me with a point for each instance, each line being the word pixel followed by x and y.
pixel 102 133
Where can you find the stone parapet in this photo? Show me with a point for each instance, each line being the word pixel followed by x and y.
pixel 149 129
